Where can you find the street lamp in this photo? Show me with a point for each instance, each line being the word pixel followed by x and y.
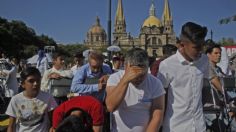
pixel 211 35
pixel 109 23
pixel 109 27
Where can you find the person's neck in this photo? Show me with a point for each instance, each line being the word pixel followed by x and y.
pixel 213 63
pixel 57 67
pixel 78 65
pixel 29 95
pixel 185 56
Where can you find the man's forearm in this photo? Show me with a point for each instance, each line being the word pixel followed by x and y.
pixel 115 97
pixel 155 122
pixel 84 88
pixel 156 114
pixel 216 83
pixel 97 128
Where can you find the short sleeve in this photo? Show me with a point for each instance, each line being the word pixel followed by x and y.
pixel 52 103
pixel 159 89
pixel 97 114
pixel 11 109
pixel 114 79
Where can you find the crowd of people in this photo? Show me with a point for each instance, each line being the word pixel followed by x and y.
pixel 128 94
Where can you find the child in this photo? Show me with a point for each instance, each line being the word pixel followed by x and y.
pixel 30 109
pixel 80 106
pixel 74 123
pixel 56 72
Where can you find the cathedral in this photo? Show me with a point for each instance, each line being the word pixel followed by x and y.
pixel 154 33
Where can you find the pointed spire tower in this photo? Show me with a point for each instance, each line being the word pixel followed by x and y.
pixel 167 18
pixel 120 25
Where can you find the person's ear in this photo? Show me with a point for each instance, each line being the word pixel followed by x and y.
pixel 181 44
pixel 208 55
pixel 22 85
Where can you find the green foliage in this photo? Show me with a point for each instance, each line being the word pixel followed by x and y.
pixel 29 51
pixel 69 50
pixel 227 41
pixel 19 40
pixel 227 20
pixel 47 41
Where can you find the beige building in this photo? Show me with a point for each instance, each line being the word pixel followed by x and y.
pixel 96 36
pixel 154 33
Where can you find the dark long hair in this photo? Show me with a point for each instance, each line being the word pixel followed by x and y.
pixel 72 123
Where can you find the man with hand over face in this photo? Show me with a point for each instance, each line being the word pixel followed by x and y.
pixel 135 97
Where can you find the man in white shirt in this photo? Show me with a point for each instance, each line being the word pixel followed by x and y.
pixel 135 97
pixel 182 74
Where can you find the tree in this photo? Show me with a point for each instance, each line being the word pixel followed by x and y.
pixel 227 20
pixel 69 50
pixel 226 41
pixel 16 38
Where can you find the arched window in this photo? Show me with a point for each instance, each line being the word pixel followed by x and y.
pixel 159 42
pixel 148 41
pixel 154 40
pixel 97 38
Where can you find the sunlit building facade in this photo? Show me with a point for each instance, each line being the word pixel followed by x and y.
pixel 154 33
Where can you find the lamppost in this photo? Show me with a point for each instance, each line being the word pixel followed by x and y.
pixel 109 27
pixel 211 35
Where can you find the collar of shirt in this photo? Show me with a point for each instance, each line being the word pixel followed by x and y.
pixel 91 73
pixel 54 69
pixel 183 61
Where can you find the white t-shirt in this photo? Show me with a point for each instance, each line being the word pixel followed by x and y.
pixel 11 88
pixel 43 66
pixel 31 114
pixel 134 111
pixel 74 69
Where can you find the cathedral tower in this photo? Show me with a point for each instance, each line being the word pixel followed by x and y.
pixel 167 19
pixel 120 25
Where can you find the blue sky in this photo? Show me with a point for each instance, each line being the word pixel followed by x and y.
pixel 67 21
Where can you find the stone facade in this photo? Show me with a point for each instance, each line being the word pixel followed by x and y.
pixel 154 33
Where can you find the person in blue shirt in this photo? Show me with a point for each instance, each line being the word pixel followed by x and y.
pixel 91 78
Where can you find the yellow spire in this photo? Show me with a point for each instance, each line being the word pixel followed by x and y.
pixel 119 12
pixel 120 25
pixel 166 13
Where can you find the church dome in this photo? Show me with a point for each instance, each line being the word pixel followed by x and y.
pixel 152 21
pixel 97 28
